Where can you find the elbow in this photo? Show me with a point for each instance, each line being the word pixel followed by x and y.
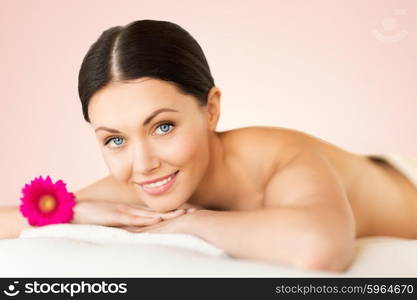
pixel 328 254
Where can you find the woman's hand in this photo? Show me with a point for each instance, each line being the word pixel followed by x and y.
pixel 118 214
pixel 178 224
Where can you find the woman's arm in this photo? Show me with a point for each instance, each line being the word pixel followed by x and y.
pixel 12 222
pixel 306 219
pixel 99 201
pixel 281 235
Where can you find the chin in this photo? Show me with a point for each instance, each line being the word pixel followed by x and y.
pixel 165 208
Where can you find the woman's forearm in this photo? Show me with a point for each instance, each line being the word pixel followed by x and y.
pixel 12 223
pixel 282 235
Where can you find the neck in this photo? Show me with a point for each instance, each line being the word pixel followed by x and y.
pixel 210 192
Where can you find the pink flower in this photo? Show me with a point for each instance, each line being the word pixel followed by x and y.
pixel 46 203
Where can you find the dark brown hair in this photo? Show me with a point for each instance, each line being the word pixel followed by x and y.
pixel 145 48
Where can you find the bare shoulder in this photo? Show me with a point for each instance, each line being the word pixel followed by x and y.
pixel 275 145
pixel 297 169
pixel 267 150
pixel 258 151
pixel 269 134
pixel 310 182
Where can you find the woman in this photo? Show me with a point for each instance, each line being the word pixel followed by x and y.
pixel 264 193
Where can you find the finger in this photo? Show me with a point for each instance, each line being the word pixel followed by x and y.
pixel 140 207
pixel 137 229
pixel 192 209
pixel 148 221
pixel 132 220
pixel 140 212
pixel 165 216
pixel 145 213
pixel 173 214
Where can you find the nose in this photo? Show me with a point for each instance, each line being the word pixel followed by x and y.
pixel 144 159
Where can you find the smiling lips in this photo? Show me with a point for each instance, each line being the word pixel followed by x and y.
pixel 158 187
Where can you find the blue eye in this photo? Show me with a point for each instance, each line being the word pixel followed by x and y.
pixel 166 126
pixel 118 140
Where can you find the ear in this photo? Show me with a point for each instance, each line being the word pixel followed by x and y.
pixel 213 107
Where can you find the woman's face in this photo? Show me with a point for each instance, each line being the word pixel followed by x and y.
pixel 140 145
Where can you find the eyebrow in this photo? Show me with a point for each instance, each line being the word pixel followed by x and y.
pixel 148 119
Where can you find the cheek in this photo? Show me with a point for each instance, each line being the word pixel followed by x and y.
pixel 186 147
pixel 117 165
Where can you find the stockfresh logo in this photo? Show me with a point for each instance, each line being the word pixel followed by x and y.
pixel 73 288
pixel 12 290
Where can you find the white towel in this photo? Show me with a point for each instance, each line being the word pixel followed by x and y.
pixel 111 235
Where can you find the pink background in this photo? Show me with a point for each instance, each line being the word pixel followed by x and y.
pixel 323 67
